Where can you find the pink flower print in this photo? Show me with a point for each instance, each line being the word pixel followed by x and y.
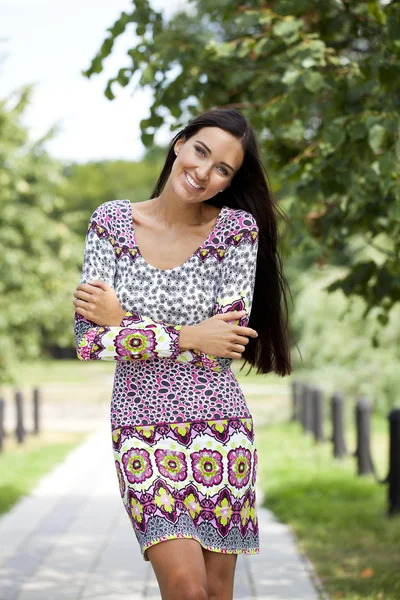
pixel 136 510
pixel 223 511
pixel 171 464
pixel 135 343
pixel 245 512
pixel 121 480
pixel 192 505
pixel 207 467
pixel 239 467
pixel 137 465
pixel 164 500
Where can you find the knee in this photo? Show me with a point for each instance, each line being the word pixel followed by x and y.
pixel 182 586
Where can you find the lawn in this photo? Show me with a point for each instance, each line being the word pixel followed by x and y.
pixel 339 519
pixel 21 466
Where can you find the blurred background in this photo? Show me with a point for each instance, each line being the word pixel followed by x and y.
pixel 90 95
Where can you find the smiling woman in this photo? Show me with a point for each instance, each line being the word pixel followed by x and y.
pixel 174 289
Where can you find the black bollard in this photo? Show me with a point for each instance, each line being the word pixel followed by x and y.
pixel 318 415
pixel 296 401
pixel 302 403
pixel 36 411
pixel 363 451
pixel 19 431
pixel 339 445
pixel 1 423
pixel 308 409
pixel 394 462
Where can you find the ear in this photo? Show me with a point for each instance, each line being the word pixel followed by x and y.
pixel 178 145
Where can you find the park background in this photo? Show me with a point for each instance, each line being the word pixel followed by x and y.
pixel 85 116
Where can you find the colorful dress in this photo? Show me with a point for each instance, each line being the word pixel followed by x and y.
pixel 182 432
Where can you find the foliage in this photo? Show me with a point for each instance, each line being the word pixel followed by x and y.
pixel 335 342
pixel 320 81
pixel 38 257
pixel 89 185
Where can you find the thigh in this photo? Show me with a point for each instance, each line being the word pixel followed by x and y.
pixel 220 574
pixel 179 568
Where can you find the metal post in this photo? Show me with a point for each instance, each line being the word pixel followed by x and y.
pixel 308 408
pixel 363 452
pixel 339 445
pixel 318 415
pixel 296 401
pixel 36 411
pixel 394 462
pixel 19 431
pixel 302 407
pixel 1 423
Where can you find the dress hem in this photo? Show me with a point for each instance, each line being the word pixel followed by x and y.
pixel 167 538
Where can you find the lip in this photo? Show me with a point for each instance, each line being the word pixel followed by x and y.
pixel 195 180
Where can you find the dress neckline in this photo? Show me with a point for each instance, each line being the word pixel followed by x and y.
pixel 212 232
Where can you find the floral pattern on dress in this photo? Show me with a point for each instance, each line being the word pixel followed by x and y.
pixel 207 467
pixel 135 342
pixel 137 465
pixel 190 482
pixel 239 467
pixel 171 464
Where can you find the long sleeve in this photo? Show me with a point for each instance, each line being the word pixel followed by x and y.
pixel 138 337
pixel 236 286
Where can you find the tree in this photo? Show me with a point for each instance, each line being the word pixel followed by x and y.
pixel 320 81
pixel 39 260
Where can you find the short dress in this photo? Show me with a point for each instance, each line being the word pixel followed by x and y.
pixel 182 433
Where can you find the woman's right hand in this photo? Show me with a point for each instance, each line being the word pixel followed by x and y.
pixel 217 335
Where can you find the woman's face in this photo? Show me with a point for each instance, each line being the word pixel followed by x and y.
pixel 205 164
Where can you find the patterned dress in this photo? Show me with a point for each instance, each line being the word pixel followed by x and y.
pixel 182 432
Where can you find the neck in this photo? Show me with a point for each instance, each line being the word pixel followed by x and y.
pixel 169 209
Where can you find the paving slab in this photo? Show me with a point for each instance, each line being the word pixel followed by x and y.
pixel 71 539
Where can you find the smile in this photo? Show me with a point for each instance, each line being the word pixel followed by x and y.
pixel 192 183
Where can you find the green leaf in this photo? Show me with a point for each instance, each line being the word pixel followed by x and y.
pixel 376 138
pixel 313 81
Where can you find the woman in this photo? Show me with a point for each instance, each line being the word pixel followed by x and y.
pixel 167 292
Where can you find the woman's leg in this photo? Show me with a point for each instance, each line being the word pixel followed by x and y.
pixel 180 569
pixel 220 574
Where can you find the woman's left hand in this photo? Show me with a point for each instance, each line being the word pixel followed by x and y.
pixel 98 302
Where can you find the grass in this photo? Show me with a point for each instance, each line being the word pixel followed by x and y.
pixel 339 518
pixel 21 466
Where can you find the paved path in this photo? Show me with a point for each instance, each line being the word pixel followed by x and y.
pixel 72 540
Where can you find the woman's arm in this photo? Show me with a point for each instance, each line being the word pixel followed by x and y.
pixel 136 337
pixel 236 290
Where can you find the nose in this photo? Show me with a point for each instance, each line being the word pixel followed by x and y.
pixel 202 172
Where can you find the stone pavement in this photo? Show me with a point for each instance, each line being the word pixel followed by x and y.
pixel 72 540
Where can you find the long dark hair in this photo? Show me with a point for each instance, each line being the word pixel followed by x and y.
pixel 250 191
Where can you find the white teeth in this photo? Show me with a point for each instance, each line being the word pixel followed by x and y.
pixel 190 180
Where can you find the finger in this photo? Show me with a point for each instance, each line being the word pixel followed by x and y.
pixel 83 312
pixel 85 287
pixel 232 315
pixel 100 284
pixel 240 339
pixel 235 355
pixel 83 296
pixel 238 348
pixel 246 331
pixel 81 304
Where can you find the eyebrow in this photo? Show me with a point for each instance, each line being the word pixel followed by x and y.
pixel 222 163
